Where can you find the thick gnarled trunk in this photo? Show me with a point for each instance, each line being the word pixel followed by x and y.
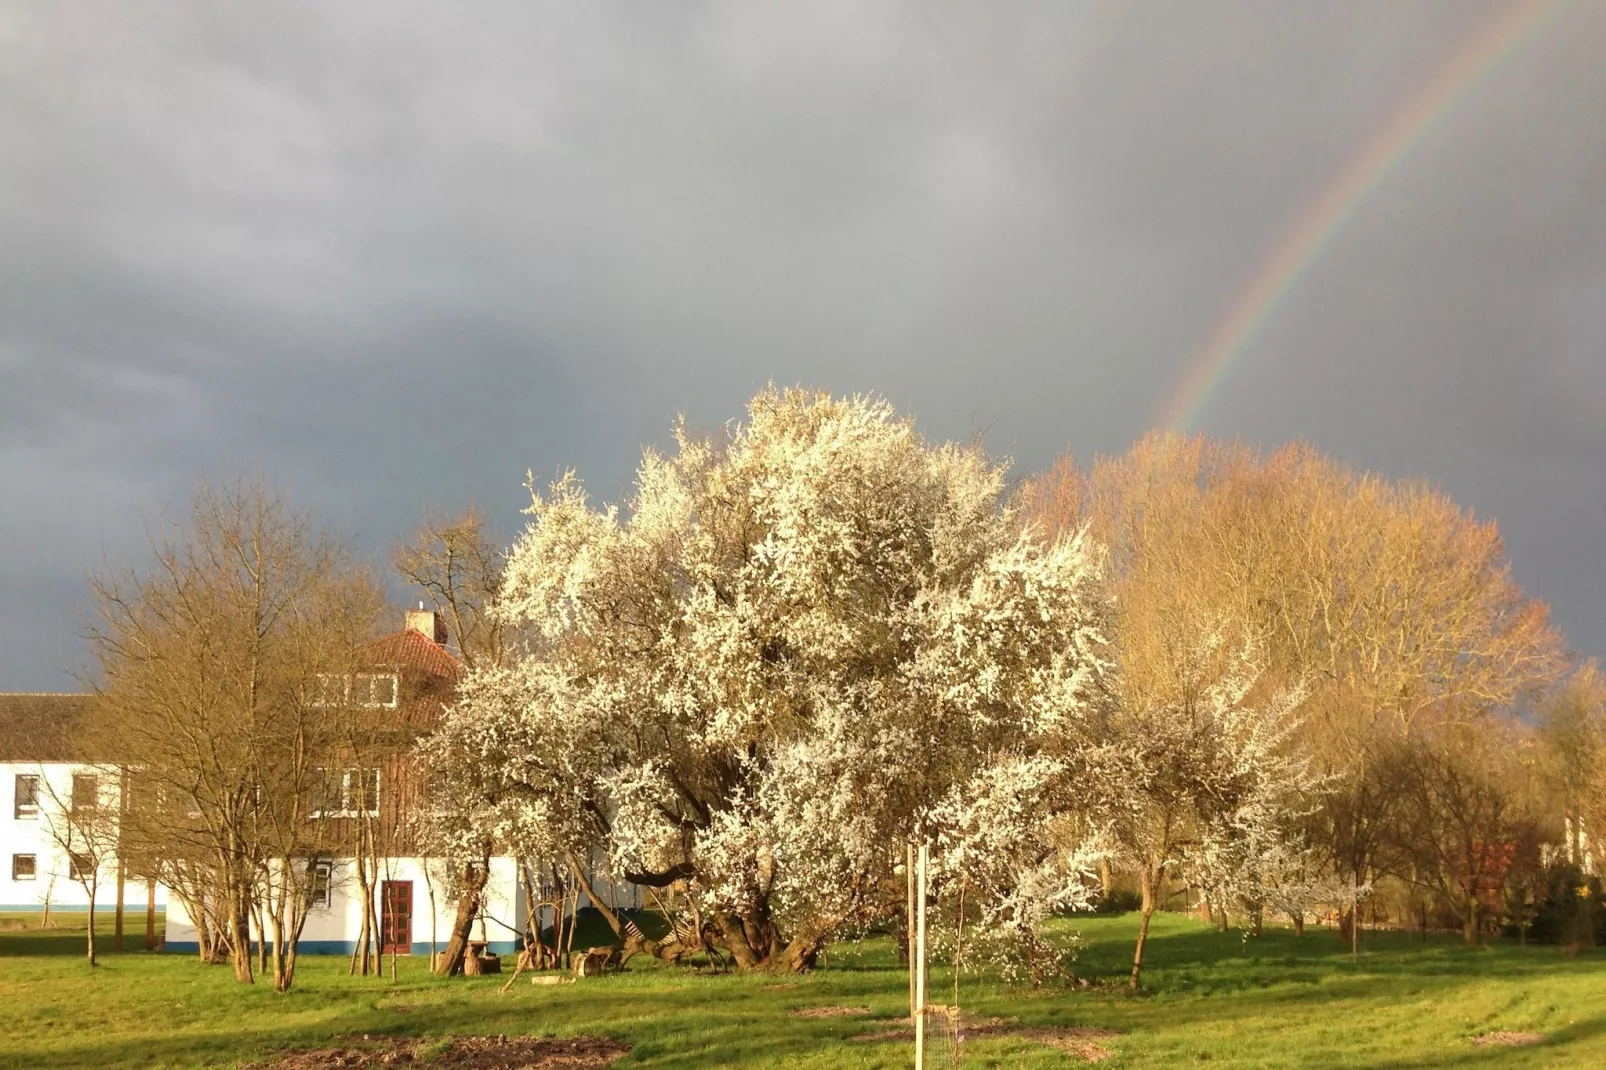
pixel 474 878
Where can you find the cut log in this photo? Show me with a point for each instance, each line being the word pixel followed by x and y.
pixel 594 961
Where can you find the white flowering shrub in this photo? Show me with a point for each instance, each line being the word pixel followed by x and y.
pixel 782 660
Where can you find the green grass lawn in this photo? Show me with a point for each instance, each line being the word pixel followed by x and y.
pixel 1213 998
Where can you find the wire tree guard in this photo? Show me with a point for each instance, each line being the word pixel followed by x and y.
pixel 938 1034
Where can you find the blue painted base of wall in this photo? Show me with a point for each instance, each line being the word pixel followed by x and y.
pixel 344 947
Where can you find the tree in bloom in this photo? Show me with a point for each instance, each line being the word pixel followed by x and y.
pixel 1208 783
pixel 783 659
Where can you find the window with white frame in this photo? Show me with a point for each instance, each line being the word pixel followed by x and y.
pixel 329 689
pixel 322 890
pixel 24 867
pixel 374 690
pixel 345 792
pixel 26 804
pixel 368 689
pixel 79 866
pixel 85 791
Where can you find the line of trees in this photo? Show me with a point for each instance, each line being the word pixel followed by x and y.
pixel 1258 684
pixel 1430 706
pixel 1253 684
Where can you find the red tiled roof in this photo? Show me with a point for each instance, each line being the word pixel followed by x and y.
pixel 410 650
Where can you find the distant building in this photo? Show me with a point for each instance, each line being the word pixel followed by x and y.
pixel 39 783
pixel 406 679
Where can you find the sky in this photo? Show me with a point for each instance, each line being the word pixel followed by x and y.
pixel 397 255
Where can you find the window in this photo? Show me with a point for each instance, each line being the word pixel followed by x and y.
pixel 79 867
pixel 371 690
pixel 364 689
pixel 362 791
pixel 27 801
pixel 345 792
pixel 24 867
pixel 327 793
pixel 329 690
pixel 322 893
pixel 85 791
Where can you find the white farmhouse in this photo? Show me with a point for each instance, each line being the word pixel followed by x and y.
pixel 56 842
pixel 48 840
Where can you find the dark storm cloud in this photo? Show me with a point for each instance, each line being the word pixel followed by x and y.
pixel 398 254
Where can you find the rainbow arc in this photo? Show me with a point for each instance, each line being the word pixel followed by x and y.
pixel 1303 244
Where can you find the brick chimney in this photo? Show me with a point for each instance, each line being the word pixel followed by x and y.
pixel 428 623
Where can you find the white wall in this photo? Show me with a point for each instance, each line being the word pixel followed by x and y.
pixel 334 929
pixel 32 836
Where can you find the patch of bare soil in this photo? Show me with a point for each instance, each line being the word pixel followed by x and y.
pixel 828 1012
pixel 780 987
pixel 1502 1038
pixel 1078 1041
pixel 460 1053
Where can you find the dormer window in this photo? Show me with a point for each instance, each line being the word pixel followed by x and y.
pixel 374 690
pixel 370 690
pixel 329 689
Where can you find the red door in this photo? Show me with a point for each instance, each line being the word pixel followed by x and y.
pixel 396 917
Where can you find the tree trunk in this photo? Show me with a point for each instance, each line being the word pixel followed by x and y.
pixel 800 955
pixel 475 877
pixel 1299 924
pixel 1137 951
pixel 630 939
pixel 240 938
pixel 203 934
pixel 262 939
pixel 90 932
pixel 117 924
pixel 1146 882
pixel 150 913
pixel 1470 924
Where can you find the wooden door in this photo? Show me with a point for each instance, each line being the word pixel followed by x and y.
pixel 396 917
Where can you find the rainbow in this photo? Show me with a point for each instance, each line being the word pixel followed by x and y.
pixel 1301 246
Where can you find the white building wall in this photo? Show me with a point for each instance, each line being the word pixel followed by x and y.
pixel 334 929
pixel 33 836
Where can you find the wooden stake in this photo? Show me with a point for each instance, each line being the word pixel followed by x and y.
pixel 909 925
pixel 920 967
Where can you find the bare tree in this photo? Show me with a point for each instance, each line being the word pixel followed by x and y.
pixel 83 826
pixel 212 656
pixel 1460 821
pixel 1573 733
pixel 459 567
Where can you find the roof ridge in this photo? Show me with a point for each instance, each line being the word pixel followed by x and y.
pixel 46 694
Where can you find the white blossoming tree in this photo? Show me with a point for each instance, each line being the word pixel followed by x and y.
pixel 784 659
pixel 1210 784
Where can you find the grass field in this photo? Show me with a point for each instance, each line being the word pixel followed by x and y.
pixel 1212 997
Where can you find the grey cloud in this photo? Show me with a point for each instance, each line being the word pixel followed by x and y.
pixel 400 253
